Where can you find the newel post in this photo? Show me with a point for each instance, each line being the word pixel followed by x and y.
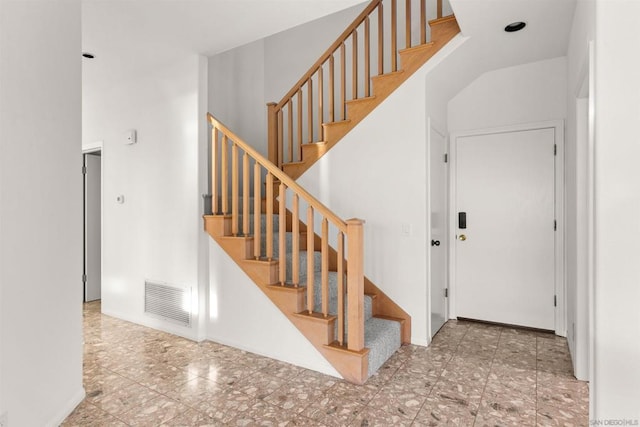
pixel 272 133
pixel 355 284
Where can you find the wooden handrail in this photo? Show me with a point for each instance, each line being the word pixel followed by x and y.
pixel 279 174
pixel 323 58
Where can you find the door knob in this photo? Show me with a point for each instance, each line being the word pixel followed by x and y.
pixel 462 237
pixel 435 243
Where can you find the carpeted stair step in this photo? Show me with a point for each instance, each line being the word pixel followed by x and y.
pixel 382 337
pixel 263 223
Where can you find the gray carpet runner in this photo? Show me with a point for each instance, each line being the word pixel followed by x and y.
pixel 382 336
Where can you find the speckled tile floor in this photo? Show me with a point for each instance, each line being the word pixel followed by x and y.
pixel 471 375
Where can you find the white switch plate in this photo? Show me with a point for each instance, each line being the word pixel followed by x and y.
pixel 406 229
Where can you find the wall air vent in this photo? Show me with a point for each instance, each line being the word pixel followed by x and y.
pixel 168 302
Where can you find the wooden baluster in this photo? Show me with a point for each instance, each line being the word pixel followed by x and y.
pixel 282 233
pixel 343 81
pixel 269 203
pixel 214 170
pixel 355 285
pixel 295 251
pixel 439 9
pixel 272 133
pixel 257 211
pixel 340 273
pixel 408 24
pixel 354 66
pixel 423 21
pixel 331 89
pixel 290 130
pixel 320 106
pixel 224 181
pixel 367 59
pixel 280 139
pixel 234 188
pixel 299 151
pixel 245 194
pixel 325 267
pixel 310 260
pixel 394 35
pixel 310 110
pixel 380 40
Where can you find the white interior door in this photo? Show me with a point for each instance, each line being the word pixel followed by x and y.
pixel 438 229
pixel 92 223
pixel 505 257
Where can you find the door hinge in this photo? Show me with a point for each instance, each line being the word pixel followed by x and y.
pixel 446 292
pixel 555 301
pixel 555 149
pixel 555 225
pixel 84 170
pixel 84 278
pixel 446 158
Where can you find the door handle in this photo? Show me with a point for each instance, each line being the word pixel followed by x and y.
pixel 462 237
pixel 435 243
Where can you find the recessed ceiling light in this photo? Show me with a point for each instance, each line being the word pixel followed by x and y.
pixel 87 55
pixel 514 26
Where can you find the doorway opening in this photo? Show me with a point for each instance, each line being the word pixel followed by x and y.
pixel 92 214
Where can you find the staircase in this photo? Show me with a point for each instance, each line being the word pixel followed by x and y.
pixel 305 258
pixel 321 108
pixel 316 280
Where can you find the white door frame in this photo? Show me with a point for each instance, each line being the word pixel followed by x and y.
pixel 88 149
pixel 434 125
pixel 560 287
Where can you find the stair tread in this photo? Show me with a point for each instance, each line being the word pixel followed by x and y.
pixel 363 99
pixel 442 20
pixel 389 74
pixel 337 122
pixel 313 144
pixel 417 48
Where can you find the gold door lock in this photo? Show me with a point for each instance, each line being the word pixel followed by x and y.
pixel 462 237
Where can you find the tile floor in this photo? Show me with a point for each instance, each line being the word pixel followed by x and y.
pixel 472 375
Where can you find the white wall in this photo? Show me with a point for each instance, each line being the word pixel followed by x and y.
pixel 242 316
pixel 617 212
pixel 40 211
pixel 527 93
pixel 236 92
pixel 243 80
pixel 582 32
pixel 389 188
pixel 157 232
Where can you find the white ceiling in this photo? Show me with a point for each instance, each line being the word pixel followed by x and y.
pixel 115 27
pixel 545 36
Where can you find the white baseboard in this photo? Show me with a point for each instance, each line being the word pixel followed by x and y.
pixel 68 408
pixel 181 331
pixel 419 341
pixel 328 369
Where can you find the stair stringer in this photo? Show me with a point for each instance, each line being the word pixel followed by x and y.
pixel 384 161
pixel 350 365
pixel 412 59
